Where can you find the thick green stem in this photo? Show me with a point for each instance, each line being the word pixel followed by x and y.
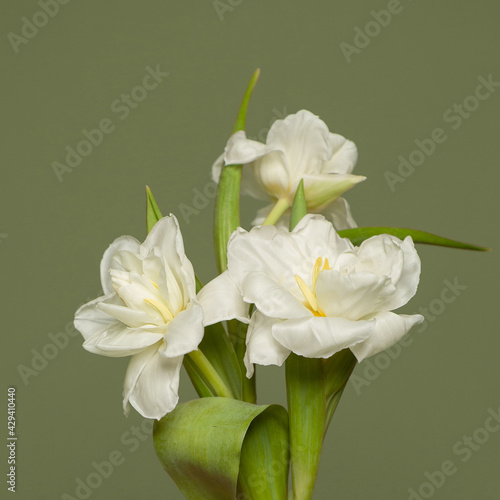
pixel 209 374
pixel 281 206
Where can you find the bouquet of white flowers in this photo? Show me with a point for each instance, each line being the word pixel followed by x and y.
pixel 305 287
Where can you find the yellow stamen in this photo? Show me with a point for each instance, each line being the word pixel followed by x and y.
pixel 326 267
pixel 155 285
pixel 317 269
pixel 306 291
pixel 161 308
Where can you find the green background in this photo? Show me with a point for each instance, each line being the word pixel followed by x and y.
pixel 411 414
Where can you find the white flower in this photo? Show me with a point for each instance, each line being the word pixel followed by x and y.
pixel 300 146
pixel 315 293
pixel 150 312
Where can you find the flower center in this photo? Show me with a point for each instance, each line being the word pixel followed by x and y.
pixel 310 293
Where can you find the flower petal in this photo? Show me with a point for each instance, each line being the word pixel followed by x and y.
pixel 352 295
pixel 344 157
pixel 151 383
pixel 90 319
pixel 319 337
pixel 166 235
pixel 388 255
pixel 389 329
pixel 339 213
pixel 271 298
pixel 221 300
pixel 241 151
pixel 184 332
pixel 108 261
pixel 323 189
pixel 304 139
pixel 262 348
pixel 119 341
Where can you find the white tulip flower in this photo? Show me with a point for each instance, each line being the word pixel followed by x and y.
pixel 149 312
pixel 298 147
pixel 316 293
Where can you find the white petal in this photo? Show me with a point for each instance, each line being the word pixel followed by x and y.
pixel 386 254
pixel 166 235
pixel 119 341
pixel 304 139
pixel 344 157
pixel 323 189
pixel 389 329
pixel 241 151
pixel 319 337
pixel 151 383
pixel 339 213
pixel 320 237
pixel 217 168
pixel 262 348
pixel 108 262
pixel 274 252
pixel 184 332
pixel 352 295
pixel 91 320
pixel 131 317
pixel 271 298
pixel 407 285
pixel 221 300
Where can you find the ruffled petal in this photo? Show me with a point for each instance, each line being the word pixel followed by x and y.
pixel 339 213
pixel 166 235
pixel 344 156
pixel 108 262
pixel 184 332
pixel 119 341
pixel 151 383
pixel 304 139
pixel 352 295
pixel 240 151
pixel 319 337
pixel 221 300
pixel 271 298
pixel 91 320
pixel 262 348
pixel 389 329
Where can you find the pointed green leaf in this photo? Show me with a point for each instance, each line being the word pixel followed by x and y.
pixel 227 205
pixel 199 445
pixel 153 214
pixel 299 205
pixel 359 234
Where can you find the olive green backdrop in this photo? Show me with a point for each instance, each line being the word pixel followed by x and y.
pixel 407 414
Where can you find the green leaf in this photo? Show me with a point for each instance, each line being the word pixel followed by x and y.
pixel 337 371
pixel 265 457
pixel 307 412
pixel 359 234
pixel 153 214
pixel 219 350
pixel 314 389
pixel 227 205
pixel 299 205
pixel 200 444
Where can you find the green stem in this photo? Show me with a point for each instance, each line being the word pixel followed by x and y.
pixel 209 374
pixel 281 206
